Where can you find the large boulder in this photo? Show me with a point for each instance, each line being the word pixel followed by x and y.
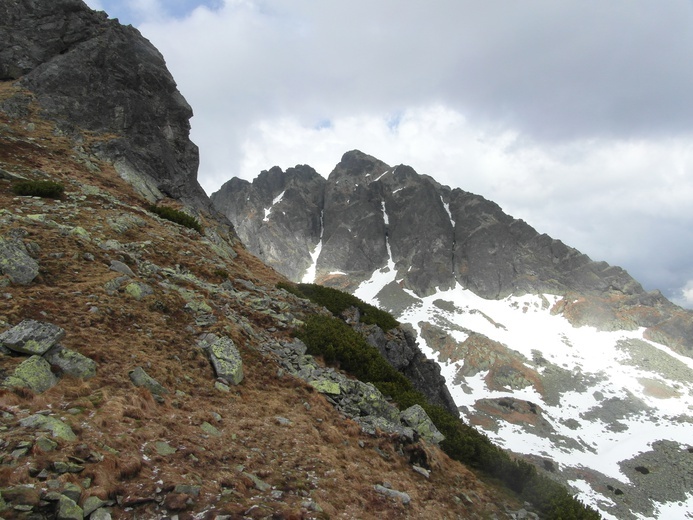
pixel 33 373
pixel 16 263
pixel 224 357
pixel 32 337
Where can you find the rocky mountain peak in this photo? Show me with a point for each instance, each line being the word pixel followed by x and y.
pixel 357 165
pixel 89 73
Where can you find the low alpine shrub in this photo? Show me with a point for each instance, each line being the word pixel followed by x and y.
pixel 45 189
pixel 179 217
pixel 342 346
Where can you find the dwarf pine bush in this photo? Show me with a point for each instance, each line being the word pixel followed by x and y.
pixel 46 189
pixel 179 217
pixel 342 346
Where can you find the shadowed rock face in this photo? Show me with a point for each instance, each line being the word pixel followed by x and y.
pixel 278 215
pixel 437 236
pixel 90 73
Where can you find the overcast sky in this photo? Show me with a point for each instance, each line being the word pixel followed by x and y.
pixel 574 115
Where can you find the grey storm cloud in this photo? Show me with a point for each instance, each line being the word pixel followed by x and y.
pixel 576 116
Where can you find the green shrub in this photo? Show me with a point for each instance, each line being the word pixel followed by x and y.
pixel 179 217
pixel 46 189
pixel 338 301
pixel 340 345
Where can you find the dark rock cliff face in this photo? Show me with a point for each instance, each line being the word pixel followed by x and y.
pixel 90 73
pixel 398 346
pixel 295 217
pixel 437 237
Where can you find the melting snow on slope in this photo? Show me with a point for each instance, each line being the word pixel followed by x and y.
pixel 447 208
pixel 526 325
pixel 309 277
pixel 276 201
pixel 369 289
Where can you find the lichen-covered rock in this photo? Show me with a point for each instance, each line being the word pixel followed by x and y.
pixel 91 504
pixel 140 378
pixel 138 290
pixel 68 509
pixel 325 386
pixel 34 373
pixel 16 263
pixel 32 337
pixel 415 417
pixel 101 514
pixel 45 422
pixel 71 362
pixel 226 360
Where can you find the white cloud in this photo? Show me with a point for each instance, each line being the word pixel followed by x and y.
pixel 575 116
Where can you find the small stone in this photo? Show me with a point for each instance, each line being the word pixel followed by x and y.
pixel 164 448
pixel 46 444
pixel 210 430
pixel 69 510
pixel 187 489
pixel 222 387
pixel 282 421
pixel 91 504
pixel 120 267
pixel 399 495
pixel 422 471
pixel 140 378
pixel 67 467
pixel 258 483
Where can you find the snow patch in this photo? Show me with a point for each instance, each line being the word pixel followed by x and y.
pixel 276 201
pixel 311 272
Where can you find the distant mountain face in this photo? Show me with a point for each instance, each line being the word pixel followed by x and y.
pixel 555 356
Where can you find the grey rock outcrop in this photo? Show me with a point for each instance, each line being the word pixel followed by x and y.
pixel 224 357
pixel 91 73
pixel 16 263
pixel 399 347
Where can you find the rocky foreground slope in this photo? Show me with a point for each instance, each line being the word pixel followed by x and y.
pixel 557 357
pixel 149 370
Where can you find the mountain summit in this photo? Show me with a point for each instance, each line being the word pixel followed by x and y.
pixel 553 355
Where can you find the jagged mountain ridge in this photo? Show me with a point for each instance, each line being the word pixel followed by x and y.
pixel 553 355
pixel 437 237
